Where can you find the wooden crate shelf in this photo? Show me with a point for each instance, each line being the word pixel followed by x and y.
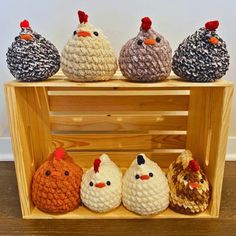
pixel 122 119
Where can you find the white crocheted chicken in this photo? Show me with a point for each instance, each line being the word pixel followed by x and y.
pixel 145 188
pixel 101 185
pixel 88 55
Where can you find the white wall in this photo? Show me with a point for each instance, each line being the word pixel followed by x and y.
pixel 120 20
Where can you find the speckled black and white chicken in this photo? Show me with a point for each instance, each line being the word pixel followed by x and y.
pixel 203 56
pixel 31 57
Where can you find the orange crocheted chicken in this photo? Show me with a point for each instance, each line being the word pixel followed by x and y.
pixel 56 184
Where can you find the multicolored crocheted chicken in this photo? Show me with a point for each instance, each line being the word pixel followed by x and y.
pixel 88 55
pixel 145 187
pixel 147 57
pixel 203 56
pixel 31 57
pixel 101 185
pixel 56 184
pixel 189 187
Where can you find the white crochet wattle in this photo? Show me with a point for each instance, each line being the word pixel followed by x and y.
pixel 88 58
pixel 108 197
pixel 147 196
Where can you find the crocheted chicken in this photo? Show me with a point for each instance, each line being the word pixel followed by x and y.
pixel 31 57
pixel 56 184
pixel 88 55
pixel 101 185
pixel 203 56
pixel 147 57
pixel 189 187
pixel 145 187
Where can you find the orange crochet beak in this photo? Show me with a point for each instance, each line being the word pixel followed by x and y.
pixel 193 185
pixel 214 40
pixel 150 41
pixel 144 177
pixel 55 174
pixel 26 36
pixel 100 185
pixel 83 34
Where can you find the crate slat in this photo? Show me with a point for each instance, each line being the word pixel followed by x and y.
pixel 116 103
pixel 123 159
pixel 108 122
pixel 137 142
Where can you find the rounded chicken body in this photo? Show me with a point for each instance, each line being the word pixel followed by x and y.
pixel 189 187
pixel 88 55
pixel 203 56
pixel 31 57
pixel 147 57
pixel 56 184
pixel 101 185
pixel 145 187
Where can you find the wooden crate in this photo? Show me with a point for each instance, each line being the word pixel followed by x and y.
pixel 122 119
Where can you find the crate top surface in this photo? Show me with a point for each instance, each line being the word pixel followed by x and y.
pixel 118 81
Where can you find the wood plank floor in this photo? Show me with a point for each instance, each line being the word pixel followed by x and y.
pixel 12 224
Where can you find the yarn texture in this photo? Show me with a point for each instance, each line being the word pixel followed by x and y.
pixel 189 187
pixel 147 57
pixel 88 55
pixel 145 187
pixel 203 56
pixel 101 185
pixel 31 57
pixel 56 184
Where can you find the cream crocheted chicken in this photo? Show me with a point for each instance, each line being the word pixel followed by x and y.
pixel 101 185
pixel 145 188
pixel 189 187
pixel 88 55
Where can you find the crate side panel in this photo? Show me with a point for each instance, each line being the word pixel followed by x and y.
pixel 207 135
pixel 19 128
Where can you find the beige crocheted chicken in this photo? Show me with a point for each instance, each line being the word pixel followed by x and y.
pixel 101 185
pixel 145 188
pixel 189 187
pixel 88 55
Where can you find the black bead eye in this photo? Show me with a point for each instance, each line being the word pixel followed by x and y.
pixel 16 38
pixel 74 33
pixel 186 177
pixel 136 176
pixel 202 181
pixel 66 173
pixel 140 42
pixel 91 184
pixel 48 172
pixel 108 183
pixel 158 39
pixel 95 33
pixel 151 174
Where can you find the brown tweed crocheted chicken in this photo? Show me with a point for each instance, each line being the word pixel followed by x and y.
pixel 189 187
pixel 56 184
pixel 147 57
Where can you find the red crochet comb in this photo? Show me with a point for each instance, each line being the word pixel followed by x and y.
pixel 212 25
pixel 59 153
pixel 96 165
pixel 83 18
pixel 146 23
pixel 193 166
pixel 24 24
